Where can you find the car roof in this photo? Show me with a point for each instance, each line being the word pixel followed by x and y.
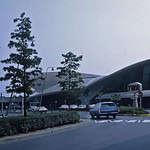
pixel 105 102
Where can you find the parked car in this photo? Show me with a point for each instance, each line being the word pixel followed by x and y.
pixel 2 115
pixel 104 109
pixel 73 106
pixel 91 106
pixel 64 107
pixel 33 108
pixel 42 109
pixel 82 106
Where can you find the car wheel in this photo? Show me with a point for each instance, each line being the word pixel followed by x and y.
pixel 92 116
pixel 114 116
pixel 107 117
pixel 98 117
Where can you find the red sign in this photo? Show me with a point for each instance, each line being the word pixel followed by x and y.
pixel 141 94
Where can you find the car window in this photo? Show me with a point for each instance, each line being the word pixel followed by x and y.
pixel 96 106
pixel 107 104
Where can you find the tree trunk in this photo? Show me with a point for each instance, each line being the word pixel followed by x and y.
pixel 24 84
pixel 24 102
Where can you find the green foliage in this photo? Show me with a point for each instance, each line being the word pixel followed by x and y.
pixel 16 125
pixel 22 67
pixel 70 80
pixel 131 110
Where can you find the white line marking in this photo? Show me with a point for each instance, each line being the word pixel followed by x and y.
pixel 131 121
pixel 101 121
pixel 117 121
pixel 146 121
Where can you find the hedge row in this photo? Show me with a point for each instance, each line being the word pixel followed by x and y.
pixel 16 125
pixel 131 110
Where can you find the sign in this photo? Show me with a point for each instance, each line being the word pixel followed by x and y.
pixel 136 95
pixel 141 94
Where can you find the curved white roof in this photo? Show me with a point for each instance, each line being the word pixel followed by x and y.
pixel 50 84
pixel 134 83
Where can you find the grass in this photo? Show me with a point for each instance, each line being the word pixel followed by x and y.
pixel 134 115
pixel 132 111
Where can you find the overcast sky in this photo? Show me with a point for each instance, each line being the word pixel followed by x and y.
pixel 110 34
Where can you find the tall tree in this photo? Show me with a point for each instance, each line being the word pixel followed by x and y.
pixel 70 80
pixel 22 67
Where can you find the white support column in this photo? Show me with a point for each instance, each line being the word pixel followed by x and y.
pixel 136 99
pixel 137 103
pixel 140 102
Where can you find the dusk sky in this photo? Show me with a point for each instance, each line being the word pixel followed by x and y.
pixel 110 34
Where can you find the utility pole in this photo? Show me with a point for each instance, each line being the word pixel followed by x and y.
pixel 43 86
pixel 2 105
pixel 22 105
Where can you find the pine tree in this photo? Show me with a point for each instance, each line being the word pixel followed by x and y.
pixel 22 67
pixel 70 80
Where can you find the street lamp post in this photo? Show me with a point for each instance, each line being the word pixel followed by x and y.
pixel 1 103
pixel 55 104
pixel 52 69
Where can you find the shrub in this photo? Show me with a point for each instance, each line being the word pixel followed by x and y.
pixel 131 110
pixel 16 125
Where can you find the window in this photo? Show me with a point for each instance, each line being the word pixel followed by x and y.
pixel 107 104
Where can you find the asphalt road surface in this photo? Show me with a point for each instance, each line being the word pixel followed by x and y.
pixel 124 133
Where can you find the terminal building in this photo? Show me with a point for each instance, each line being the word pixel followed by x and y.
pixel 97 88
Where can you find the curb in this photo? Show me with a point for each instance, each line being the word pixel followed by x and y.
pixel 135 115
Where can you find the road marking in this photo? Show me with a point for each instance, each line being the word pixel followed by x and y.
pixel 101 121
pixel 107 121
pixel 146 121
pixel 131 121
pixel 119 121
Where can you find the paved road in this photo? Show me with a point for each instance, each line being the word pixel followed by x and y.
pixel 130 133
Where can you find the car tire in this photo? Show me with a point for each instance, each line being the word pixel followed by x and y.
pixel 92 117
pixel 114 116
pixel 98 117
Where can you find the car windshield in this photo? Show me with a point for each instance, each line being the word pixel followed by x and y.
pixel 107 104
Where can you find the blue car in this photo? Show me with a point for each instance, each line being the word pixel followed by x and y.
pixel 104 109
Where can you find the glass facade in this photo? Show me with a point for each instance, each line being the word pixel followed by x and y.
pixel 146 77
